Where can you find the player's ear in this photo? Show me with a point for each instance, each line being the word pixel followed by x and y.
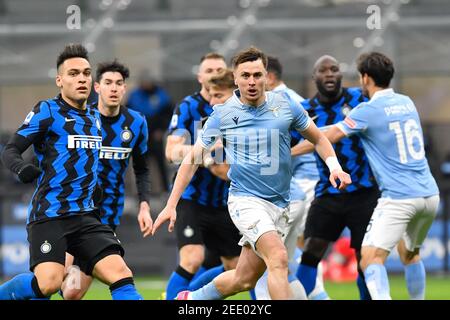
pixel 58 81
pixel 97 87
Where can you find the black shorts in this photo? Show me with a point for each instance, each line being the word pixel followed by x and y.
pixel 208 226
pixel 82 235
pixel 330 214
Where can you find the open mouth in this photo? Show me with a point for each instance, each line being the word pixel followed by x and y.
pixel 330 84
pixel 82 89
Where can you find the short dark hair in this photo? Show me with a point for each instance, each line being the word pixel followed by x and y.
pixel 224 79
pixel 72 50
pixel 274 66
pixel 377 66
pixel 250 54
pixel 112 66
pixel 212 55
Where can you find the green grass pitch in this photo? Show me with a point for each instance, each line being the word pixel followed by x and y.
pixel 438 288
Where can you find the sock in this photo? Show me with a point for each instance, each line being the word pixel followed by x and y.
pixel 415 280
pixel 178 281
pixel 205 278
pixel 261 289
pixel 124 290
pixel 252 294
pixel 200 271
pixel 297 289
pixel 319 292
pixel 377 282
pixel 22 287
pixel 364 293
pixel 208 292
pixel 307 276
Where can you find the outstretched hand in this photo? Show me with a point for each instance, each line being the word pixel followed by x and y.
pixel 168 213
pixel 342 176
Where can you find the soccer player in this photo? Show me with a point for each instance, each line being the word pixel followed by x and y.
pixel 332 210
pixel 304 179
pixel 254 125
pixel 390 131
pixel 204 219
pixel 220 89
pixel 66 135
pixel 124 133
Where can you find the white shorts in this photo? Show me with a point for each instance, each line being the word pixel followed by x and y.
pixel 254 216
pixel 298 213
pixel 396 219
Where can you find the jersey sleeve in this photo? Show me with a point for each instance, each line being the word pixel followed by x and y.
pixel 36 123
pixel 301 119
pixel 211 131
pixel 181 119
pixel 142 143
pixel 357 120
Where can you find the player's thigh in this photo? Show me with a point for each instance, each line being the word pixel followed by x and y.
pixel 253 217
pixel 420 224
pixel 48 242
pixel 219 232
pixel 93 242
pixel 271 248
pixel 187 228
pixel 325 220
pixel 388 223
pixel 360 207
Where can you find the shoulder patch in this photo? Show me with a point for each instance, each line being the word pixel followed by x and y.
pixel 28 118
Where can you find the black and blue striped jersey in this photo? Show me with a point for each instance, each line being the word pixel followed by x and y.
pixel 67 144
pixel 188 118
pixel 123 135
pixel 349 150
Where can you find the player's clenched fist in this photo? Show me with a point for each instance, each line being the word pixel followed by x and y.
pixel 168 213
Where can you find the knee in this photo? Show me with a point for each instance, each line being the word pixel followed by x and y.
pixel 372 256
pixel 50 284
pixel 73 294
pixel 409 257
pixel 191 259
pixel 316 247
pixel 278 260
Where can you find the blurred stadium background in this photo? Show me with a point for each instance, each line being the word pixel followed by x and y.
pixel 169 36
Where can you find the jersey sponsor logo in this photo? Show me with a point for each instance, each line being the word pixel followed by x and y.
pixel 46 247
pixel 114 153
pixel 126 135
pixel 84 142
pixel 28 118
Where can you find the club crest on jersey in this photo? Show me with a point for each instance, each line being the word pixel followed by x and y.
pixel 126 135
pixel 46 247
pixel 84 142
pixel 275 111
pixel 346 110
pixel 28 118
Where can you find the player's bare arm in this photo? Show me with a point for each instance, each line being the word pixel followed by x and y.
pixel 326 152
pixel 334 134
pixel 186 171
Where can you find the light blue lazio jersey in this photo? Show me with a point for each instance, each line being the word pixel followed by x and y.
pixel 257 144
pixel 391 134
pixel 304 166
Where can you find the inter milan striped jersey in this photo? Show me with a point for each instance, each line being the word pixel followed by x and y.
pixel 123 135
pixel 349 150
pixel 67 143
pixel 188 118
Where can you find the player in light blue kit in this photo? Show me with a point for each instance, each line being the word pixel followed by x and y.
pixel 304 179
pixel 391 134
pixel 254 126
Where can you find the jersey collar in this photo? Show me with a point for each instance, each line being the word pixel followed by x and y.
pixel 382 93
